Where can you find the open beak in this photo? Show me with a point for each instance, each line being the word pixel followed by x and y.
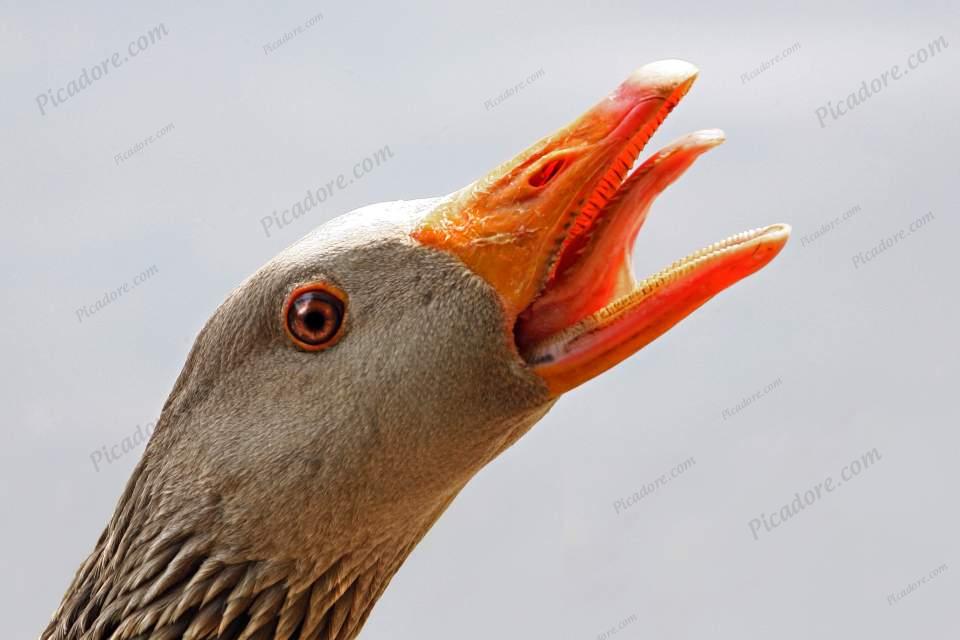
pixel 553 230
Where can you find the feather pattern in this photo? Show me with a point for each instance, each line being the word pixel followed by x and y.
pixel 145 581
pixel 281 490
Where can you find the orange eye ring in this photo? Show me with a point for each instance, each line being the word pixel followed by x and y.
pixel 313 316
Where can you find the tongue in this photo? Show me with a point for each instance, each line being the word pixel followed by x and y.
pixel 594 268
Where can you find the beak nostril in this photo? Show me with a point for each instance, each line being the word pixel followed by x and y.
pixel 546 172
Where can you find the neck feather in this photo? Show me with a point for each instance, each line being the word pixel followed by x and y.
pixel 158 574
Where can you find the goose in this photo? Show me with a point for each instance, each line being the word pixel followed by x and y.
pixel 340 398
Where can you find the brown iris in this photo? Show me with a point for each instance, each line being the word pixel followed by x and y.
pixel 314 316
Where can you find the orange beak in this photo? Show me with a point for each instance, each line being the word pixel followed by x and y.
pixel 553 229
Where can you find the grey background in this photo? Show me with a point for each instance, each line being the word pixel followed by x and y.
pixel 533 547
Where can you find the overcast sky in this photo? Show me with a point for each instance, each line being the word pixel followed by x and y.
pixel 837 350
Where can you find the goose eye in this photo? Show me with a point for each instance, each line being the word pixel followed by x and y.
pixel 314 316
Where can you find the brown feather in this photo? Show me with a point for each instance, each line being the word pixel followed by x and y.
pixel 282 490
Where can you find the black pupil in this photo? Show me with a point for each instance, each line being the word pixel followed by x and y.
pixel 314 320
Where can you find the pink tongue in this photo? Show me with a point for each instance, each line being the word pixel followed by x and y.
pixel 595 267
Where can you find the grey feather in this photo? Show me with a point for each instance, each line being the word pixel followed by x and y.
pixel 281 490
